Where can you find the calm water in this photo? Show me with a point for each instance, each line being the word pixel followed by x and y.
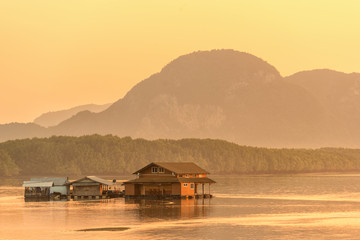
pixel 259 207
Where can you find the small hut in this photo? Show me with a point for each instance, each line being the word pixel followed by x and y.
pixel 60 187
pixel 37 189
pixel 91 187
pixel 47 187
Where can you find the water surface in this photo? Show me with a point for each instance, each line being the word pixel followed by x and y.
pixel 244 207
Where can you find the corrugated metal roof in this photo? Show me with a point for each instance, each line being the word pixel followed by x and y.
pixel 95 179
pixel 177 167
pixel 58 181
pixel 37 184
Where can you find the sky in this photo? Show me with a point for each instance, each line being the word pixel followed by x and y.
pixel 59 54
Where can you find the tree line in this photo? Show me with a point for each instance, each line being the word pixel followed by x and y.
pixel 108 155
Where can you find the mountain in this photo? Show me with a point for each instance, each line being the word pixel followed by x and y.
pixel 213 94
pixel 13 131
pixel 230 95
pixel 54 118
pixel 339 96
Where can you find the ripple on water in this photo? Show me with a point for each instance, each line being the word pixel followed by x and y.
pixel 110 229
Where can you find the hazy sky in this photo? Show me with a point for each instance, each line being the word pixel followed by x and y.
pixel 56 54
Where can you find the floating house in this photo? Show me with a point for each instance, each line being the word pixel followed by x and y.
pixel 169 179
pixel 91 187
pixel 47 187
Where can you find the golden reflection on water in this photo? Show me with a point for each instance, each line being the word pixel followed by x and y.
pixel 326 207
pixel 174 208
pixel 350 197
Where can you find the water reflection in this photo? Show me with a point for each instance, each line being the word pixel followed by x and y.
pixel 44 199
pixel 286 207
pixel 170 209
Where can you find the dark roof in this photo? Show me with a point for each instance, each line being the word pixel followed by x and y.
pixel 154 180
pixel 177 167
pixel 171 180
pixel 196 180
pixel 94 179
pixel 58 181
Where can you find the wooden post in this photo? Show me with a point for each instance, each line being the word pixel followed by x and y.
pixel 209 189
pixel 203 189
pixel 143 190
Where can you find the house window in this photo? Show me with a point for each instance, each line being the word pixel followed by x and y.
pixel 191 185
pixel 185 184
pixel 154 169
pixel 161 170
pixel 186 175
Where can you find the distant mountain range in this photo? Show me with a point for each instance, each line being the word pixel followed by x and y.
pixel 225 94
pixel 54 118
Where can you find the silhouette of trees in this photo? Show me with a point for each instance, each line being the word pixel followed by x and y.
pixel 95 154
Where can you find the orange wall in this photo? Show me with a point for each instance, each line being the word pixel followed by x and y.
pixel 192 175
pixel 187 190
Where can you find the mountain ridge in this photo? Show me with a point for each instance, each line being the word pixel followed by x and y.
pixel 230 95
pixel 53 118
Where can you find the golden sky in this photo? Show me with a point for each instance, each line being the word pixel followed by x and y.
pixel 56 54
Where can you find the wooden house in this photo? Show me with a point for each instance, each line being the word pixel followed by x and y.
pixel 47 187
pixel 169 179
pixel 91 187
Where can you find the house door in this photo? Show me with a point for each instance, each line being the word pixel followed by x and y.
pixel 196 187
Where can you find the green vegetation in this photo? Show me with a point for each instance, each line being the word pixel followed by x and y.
pixel 7 166
pixel 109 154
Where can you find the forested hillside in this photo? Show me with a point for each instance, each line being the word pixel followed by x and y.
pixel 109 154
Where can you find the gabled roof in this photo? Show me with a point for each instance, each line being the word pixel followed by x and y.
pixel 171 180
pixel 94 179
pixel 154 180
pixel 177 167
pixel 58 181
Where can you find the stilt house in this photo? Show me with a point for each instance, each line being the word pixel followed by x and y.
pixel 169 179
pixel 91 187
pixel 47 186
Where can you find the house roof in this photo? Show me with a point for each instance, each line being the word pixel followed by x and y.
pixel 177 167
pixel 154 180
pixel 37 184
pixel 94 179
pixel 171 180
pixel 58 181
pixel 196 180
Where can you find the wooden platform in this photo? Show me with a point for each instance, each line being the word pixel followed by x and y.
pixel 199 196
